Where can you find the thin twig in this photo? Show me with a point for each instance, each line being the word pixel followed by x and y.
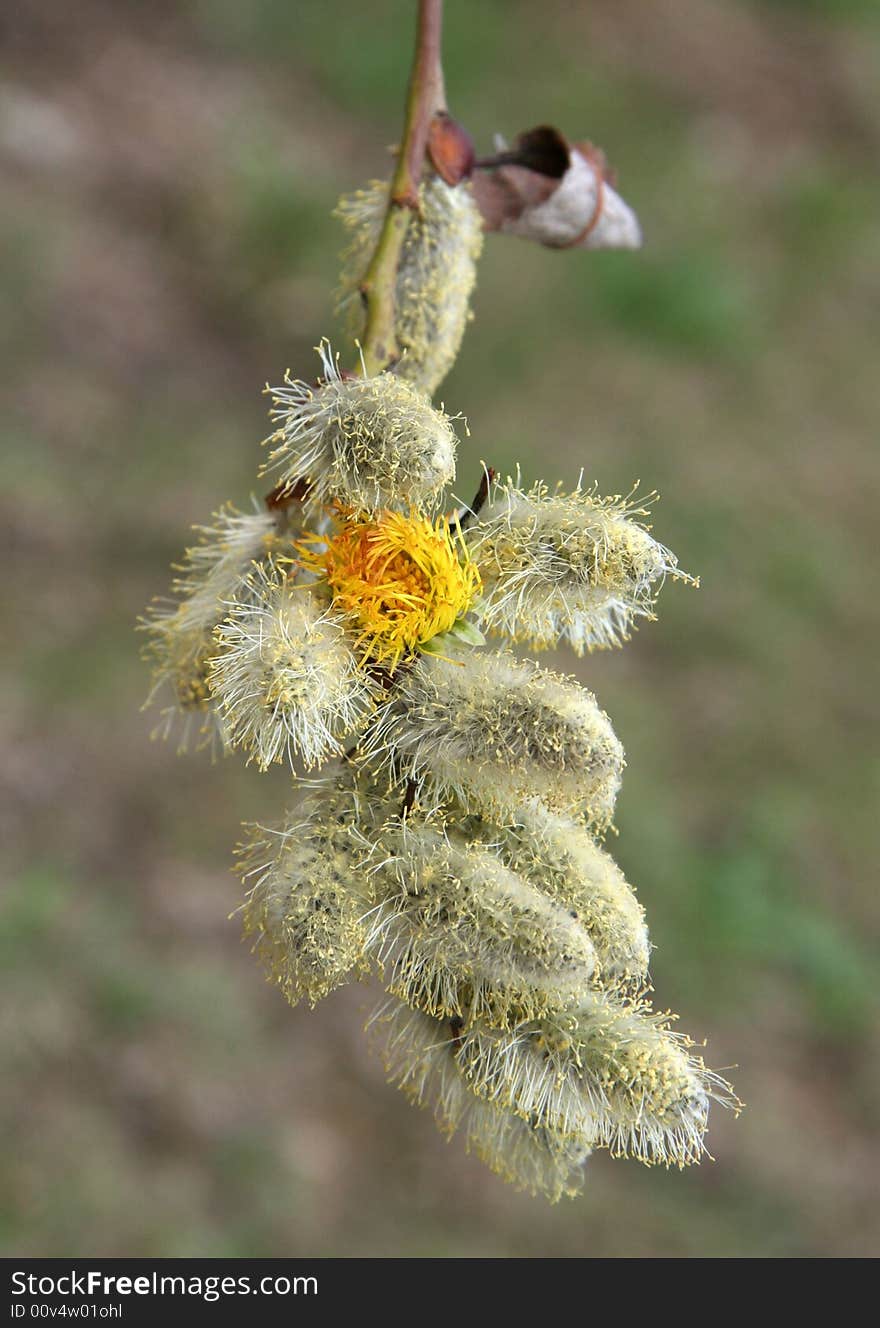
pixel 425 98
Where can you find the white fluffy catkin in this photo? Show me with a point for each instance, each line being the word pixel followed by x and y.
pixel 562 860
pixel 459 934
pixel 566 566
pixel 370 443
pixel 307 895
pixel 435 275
pixel 612 1071
pixel 495 731
pixel 284 674
pixel 180 630
pixel 420 1055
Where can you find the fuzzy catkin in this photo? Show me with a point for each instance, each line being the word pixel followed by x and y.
pixel 420 1055
pixel 458 934
pixel 284 674
pixel 435 275
pixel 181 644
pixel 370 443
pixel 307 898
pixel 566 566
pixel 559 857
pixel 495 731
pixel 612 1071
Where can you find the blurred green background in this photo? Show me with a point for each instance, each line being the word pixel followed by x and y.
pixel 168 172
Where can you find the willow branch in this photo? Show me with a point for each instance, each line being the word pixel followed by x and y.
pixel 426 96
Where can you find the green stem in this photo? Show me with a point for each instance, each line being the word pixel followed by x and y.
pixel 426 96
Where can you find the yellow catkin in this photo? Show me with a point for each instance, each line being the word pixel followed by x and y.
pixel 399 579
pixel 435 276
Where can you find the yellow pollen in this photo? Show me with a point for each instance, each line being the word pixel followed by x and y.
pixel 402 579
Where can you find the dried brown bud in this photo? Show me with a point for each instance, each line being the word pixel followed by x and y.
pixel 450 149
pixel 543 150
pixel 560 194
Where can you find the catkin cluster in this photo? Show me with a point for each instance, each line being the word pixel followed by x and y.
pixel 450 843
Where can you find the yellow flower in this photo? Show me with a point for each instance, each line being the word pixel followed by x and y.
pixel 401 579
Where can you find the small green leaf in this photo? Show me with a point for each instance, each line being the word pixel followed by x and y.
pixel 463 630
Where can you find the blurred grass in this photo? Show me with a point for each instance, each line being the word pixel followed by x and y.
pixel 166 247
